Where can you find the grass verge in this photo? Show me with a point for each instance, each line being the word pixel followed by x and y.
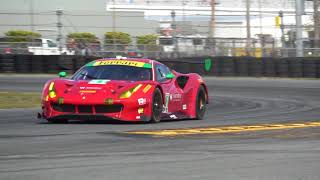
pixel 19 100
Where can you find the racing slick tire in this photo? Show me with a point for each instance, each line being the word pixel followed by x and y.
pixel 201 103
pixel 157 105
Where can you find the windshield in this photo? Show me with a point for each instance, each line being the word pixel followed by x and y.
pixel 114 72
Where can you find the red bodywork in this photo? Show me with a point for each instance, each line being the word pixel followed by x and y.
pixel 84 100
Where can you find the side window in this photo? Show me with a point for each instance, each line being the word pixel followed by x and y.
pixel 51 44
pixel 161 72
pixel 36 43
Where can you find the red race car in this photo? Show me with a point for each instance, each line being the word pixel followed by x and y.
pixel 124 89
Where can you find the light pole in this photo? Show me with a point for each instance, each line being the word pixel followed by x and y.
pixel 299 41
pixel 248 43
pixel 212 20
pixel 59 13
pixel 316 19
pixel 283 42
pixel 174 28
pixel 31 15
pixel 32 20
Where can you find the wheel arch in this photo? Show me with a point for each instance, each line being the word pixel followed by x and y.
pixel 206 89
pixel 161 90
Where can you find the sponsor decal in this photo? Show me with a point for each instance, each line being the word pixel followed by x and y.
pixel 147 88
pixel 98 81
pixel 88 91
pixel 175 97
pixel 184 107
pixel 140 110
pixel 121 62
pixel 60 100
pixel 166 103
pixel 108 101
pixel 91 88
pixel 172 116
pixel 142 101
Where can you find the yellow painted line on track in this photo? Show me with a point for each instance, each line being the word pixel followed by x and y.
pixel 225 129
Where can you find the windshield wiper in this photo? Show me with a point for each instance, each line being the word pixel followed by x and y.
pixel 91 77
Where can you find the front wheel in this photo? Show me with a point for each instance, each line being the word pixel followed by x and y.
pixel 157 106
pixel 201 103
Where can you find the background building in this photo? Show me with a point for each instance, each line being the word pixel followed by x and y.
pixel 139 17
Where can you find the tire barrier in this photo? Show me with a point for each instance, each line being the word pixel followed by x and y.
pixel 295 68
pixel 308 67
pixel 226 67
pixel 37 64
pixel 269 68
pixel 318 69
pixel 23 64
pixel 7 63
pixel 282 68
pixel 255 68
pixel 242 67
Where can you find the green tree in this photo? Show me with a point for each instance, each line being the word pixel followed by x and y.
pixel 21 35
pixel 148 44
pixel 119 38
pixel 148 39
pixel 85 37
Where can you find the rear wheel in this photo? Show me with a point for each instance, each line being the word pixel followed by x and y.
pixel 201 103
pixel 157 106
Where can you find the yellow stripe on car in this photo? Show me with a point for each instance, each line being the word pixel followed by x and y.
pixel 147 88
pixel 136 88
pixel 51 86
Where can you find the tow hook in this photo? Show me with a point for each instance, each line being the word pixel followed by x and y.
pixel 39 116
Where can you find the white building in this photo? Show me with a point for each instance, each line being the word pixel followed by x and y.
pixel 230 14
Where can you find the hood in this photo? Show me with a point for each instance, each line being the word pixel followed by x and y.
pixel 106 87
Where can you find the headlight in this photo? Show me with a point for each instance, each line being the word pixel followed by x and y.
pixel 52 92
pixel 130 92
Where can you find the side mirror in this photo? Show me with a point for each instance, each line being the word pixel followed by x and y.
pixel 170 76
pixel 62 74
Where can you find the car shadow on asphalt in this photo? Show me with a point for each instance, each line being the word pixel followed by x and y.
pixel 86 122
pixel 112 122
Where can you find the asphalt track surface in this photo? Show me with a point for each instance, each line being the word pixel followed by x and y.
pixel 32 149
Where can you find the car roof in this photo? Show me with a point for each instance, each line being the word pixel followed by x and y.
pixel 145 60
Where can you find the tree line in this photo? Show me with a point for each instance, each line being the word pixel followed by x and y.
pixel 120 38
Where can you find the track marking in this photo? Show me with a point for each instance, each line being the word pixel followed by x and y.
pixel 224 129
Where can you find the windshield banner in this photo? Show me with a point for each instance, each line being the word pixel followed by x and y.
pixel 120 62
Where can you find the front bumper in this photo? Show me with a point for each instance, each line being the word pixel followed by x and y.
pixel 124 110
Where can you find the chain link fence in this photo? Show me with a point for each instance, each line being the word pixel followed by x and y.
pixel 164 47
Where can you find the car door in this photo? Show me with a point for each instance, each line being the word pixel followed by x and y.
pixel 172 94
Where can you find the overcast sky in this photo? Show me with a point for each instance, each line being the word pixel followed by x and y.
pixel 51 5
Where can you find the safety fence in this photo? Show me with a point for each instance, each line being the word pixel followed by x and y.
pixel 216 66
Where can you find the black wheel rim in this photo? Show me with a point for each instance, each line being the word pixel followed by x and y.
pixel 157 106
pixel 201 105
